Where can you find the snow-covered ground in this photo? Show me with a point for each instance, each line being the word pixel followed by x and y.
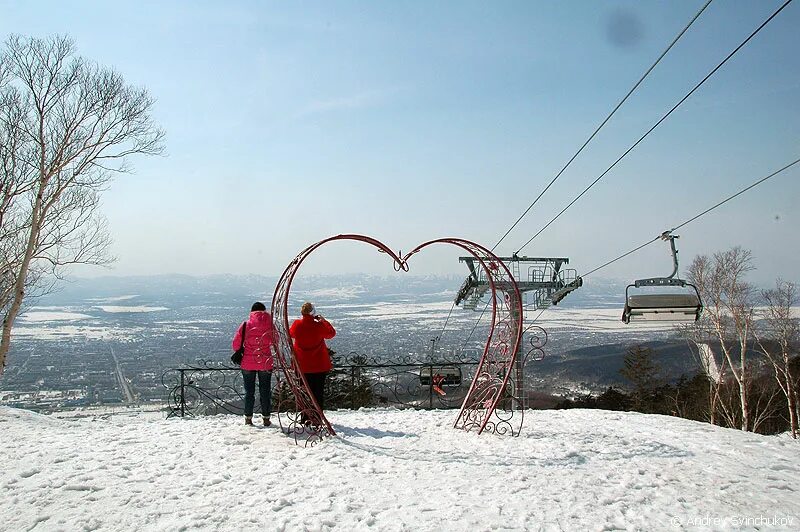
pixel 392 470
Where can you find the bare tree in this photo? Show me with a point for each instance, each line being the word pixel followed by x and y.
pixel 727 316
pixel 67 126
pixel 778 341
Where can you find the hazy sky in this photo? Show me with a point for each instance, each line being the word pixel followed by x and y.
pixel 288 122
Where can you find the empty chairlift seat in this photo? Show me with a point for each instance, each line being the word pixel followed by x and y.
pixel 681 308
pixel 440 376
pixel 680 302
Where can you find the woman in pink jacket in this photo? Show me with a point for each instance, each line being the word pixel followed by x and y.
pixel 257 361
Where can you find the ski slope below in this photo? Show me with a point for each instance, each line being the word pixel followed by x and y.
pixel 392 470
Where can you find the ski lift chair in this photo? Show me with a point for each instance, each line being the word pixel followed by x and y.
pixel 441 376
pixel 683 307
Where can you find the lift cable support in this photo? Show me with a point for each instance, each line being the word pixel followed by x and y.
pixel 544 277
pixel 663 306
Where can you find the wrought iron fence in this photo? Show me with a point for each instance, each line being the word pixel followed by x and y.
pixel 356 381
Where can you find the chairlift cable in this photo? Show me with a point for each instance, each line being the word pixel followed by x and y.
pixel 476 325
pixel 634 250
pixel 726 200
pixel 437 338
pixel 603 123
pixel 693 218
pixel 658 123
pixel 538 316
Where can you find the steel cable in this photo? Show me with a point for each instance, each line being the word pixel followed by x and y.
pixel 658 123
pixel 603 123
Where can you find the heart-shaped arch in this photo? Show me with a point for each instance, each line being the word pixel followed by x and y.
pixel 492 378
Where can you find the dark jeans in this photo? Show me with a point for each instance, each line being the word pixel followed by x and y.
pixel 316 381
pixel 264 391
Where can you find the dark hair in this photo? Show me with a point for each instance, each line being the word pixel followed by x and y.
pixel 258 305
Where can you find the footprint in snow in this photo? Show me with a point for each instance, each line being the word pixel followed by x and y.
pixel 281 504
pixel 29 472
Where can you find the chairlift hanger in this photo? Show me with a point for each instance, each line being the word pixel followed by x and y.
pixel 674 307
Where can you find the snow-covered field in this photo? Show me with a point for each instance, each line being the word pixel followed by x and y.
pixel 392 470
pixel 129 308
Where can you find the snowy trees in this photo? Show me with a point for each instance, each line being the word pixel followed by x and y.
pixel 779 340
pixel 739 395
pixel 728 314
pixel 66 127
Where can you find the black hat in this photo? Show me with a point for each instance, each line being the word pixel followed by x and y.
pixel 258 305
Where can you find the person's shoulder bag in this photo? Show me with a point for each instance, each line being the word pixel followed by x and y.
pixel 237 355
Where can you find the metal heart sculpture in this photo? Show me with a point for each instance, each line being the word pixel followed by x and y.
pixel 491 397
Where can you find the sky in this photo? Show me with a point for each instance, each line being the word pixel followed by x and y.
pixel 287 123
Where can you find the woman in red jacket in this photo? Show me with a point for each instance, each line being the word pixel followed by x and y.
pixel 310 333
pixel 257 361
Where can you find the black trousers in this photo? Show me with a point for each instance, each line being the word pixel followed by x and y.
pixel 316 381
pixel 264 391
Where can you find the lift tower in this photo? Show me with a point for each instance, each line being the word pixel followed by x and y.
pixel 543 277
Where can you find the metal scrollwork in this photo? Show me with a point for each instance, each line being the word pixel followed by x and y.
pixel 536 339
pixel 203 389
pixel 356 381
pixel 498 357
pixel 359 381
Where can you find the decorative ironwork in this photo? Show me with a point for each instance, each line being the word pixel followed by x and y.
pixel 202 389
pixel 299 414
pixel 535 338
pixel 357 381
pixel 493 396
pixel 301 417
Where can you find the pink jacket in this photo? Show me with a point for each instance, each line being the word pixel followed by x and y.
pixel 258 339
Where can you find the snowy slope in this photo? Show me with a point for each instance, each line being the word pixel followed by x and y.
pixel 392 470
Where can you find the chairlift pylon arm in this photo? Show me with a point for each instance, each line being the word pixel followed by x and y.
pixel 560 294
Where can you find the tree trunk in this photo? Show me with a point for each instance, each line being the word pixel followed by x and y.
pixel 791 393
pixel 713 397
pixel 790 399
pixel 22 274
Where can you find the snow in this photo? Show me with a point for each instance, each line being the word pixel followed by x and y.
pixel 113 299
pixel 385 311
pixel 126 308
pixel 328 294
pixel 36 316
pixel 392 470
pixel 55 332
pixel 604 319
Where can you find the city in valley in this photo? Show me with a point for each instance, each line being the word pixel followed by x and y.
pixel 108 341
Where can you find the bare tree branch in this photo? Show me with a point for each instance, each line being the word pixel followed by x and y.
pixel 67 126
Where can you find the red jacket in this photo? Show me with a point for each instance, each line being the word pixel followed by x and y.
pixel 309 344
pixel 258 338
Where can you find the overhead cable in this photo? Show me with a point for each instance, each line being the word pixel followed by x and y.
pixel 693 218
pixel 658 123
pixel 603 123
